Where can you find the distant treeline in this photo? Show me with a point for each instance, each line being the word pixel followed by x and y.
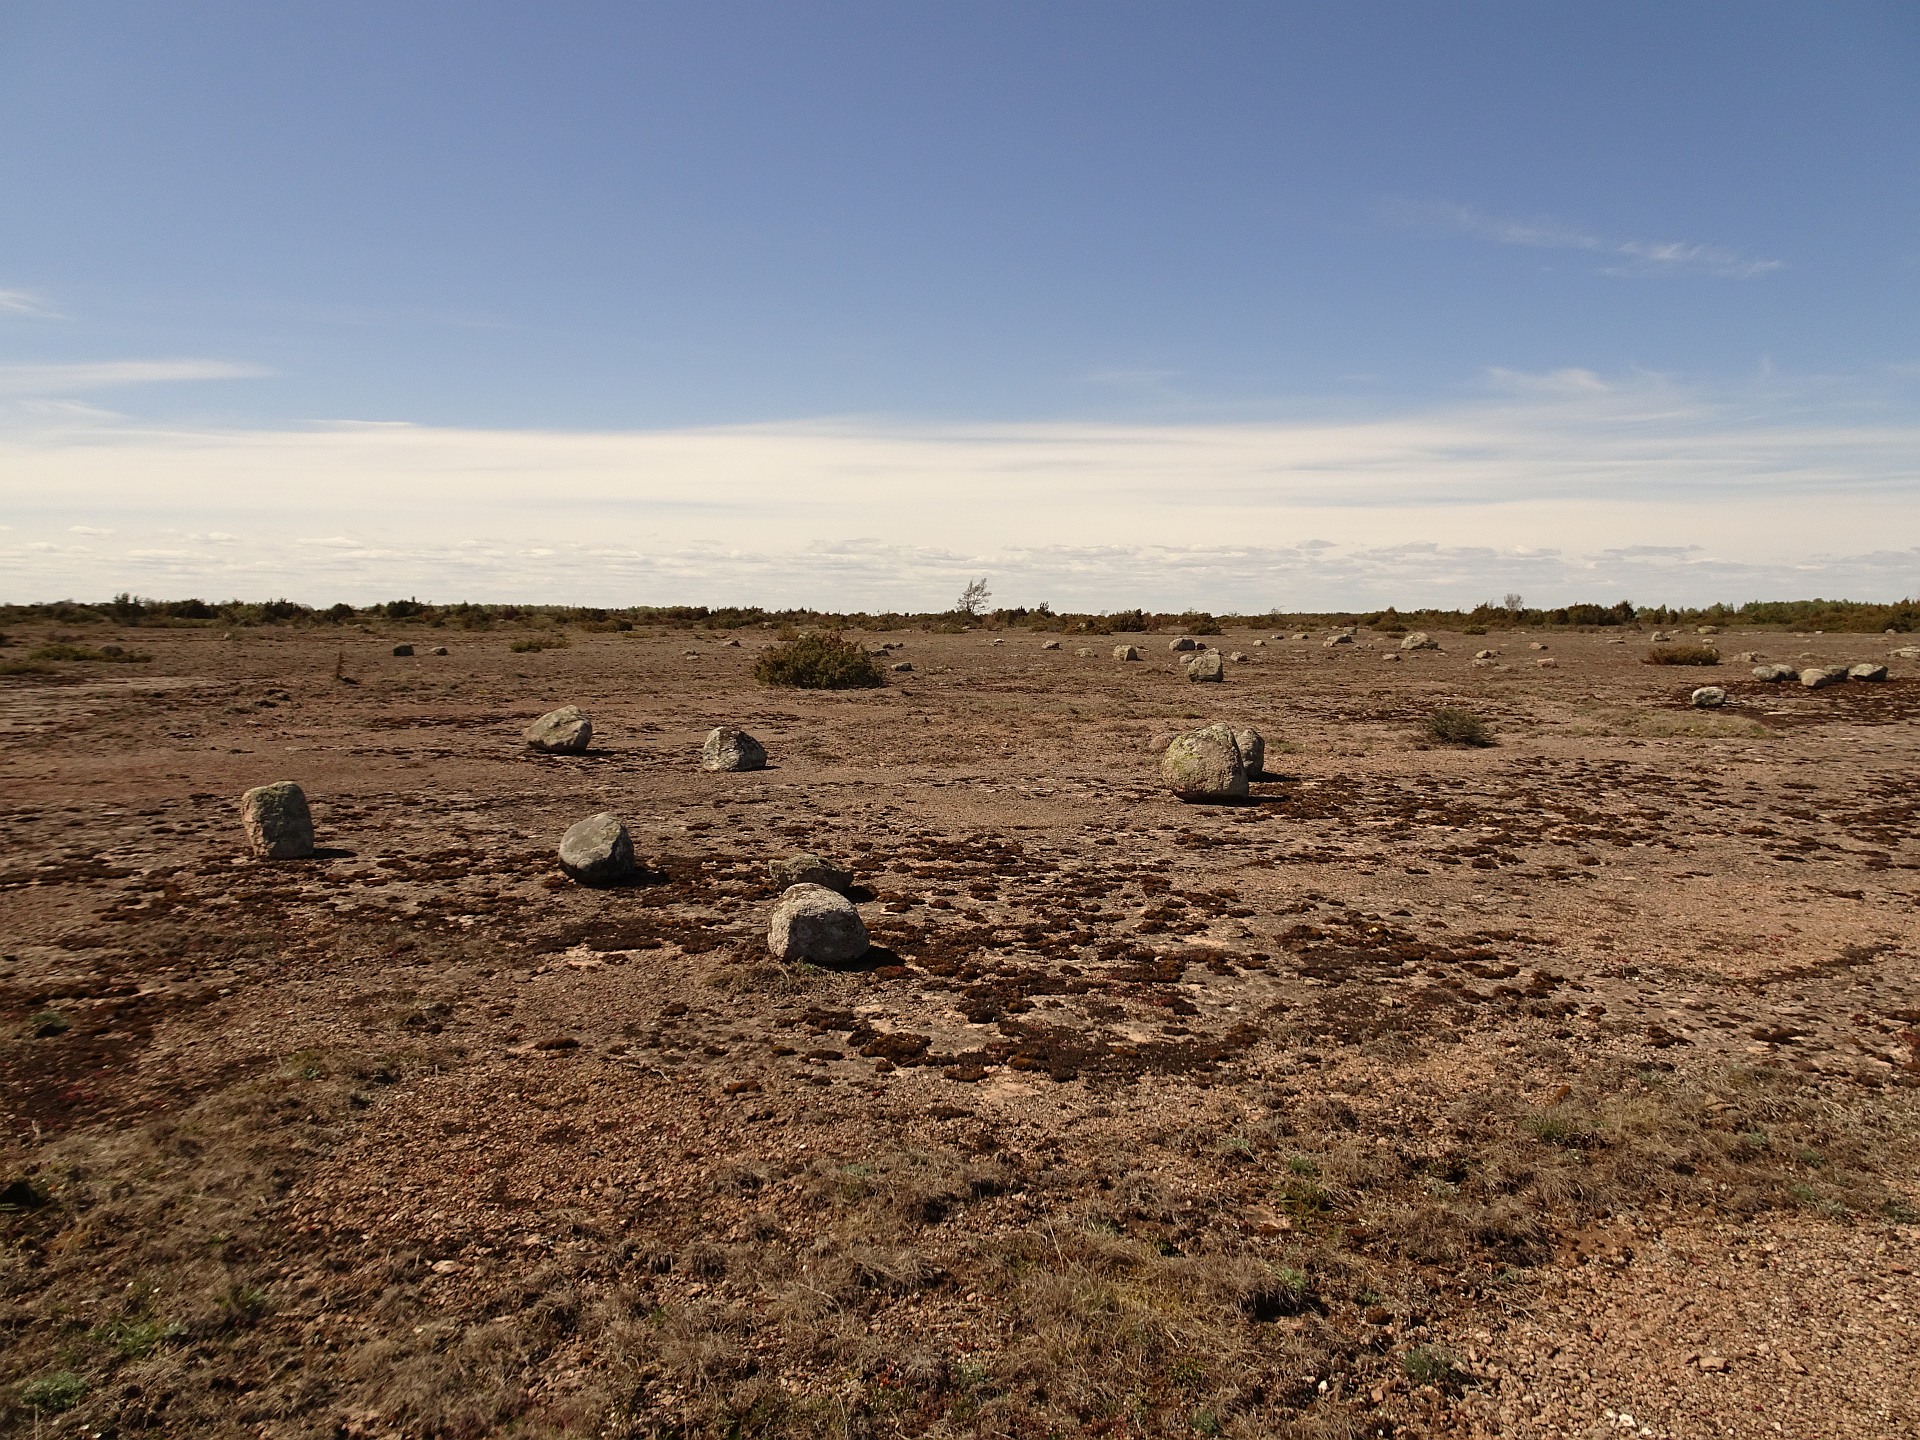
pixel 1838 615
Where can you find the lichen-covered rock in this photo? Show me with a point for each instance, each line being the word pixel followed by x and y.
pixel 1339 637
pixel 277 822
pixel 1419 640
pixel 1185 642
pixel 566 731
pixel 1205 764
pixel 1049 644
pixel 812 923
pixel 1708 697
pixel 1207 665
pixel 729 749
pixel 1815 678
pixel 1868 671
pixel 1253 751
pixel 1774 674
pixel 807 868
pixel 598 850
pixel 1125 652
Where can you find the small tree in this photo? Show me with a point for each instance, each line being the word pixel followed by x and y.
pixel 974 598
pixel 1512 604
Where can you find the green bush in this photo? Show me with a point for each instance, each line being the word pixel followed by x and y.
pixel 1683 655
pixel 818 662
pixel 1450 726
pixel 50 1394
pixel 528 647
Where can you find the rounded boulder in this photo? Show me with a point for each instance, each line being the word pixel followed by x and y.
pixel 812 923
pixel 598 850
pixel 726 748
pixel 566 731
pixel 277 822
pixel 1205 765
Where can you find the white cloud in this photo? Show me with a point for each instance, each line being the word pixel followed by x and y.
pixel 52 379
pixel 1624 257
pixel 88 530
pixel 27 306
pixel 1562 486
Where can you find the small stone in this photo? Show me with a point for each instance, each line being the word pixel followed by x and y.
pixel 1713 1362
pixel 1907 652
pixel 1391 655
pixel 1253 751
pixel 1775 673
pixel 1050 645
pixel 1125 652
pixel 598 850
pixel 1259 644
pixel 1814 678
pixel 806 868
pixel 1707 630
pixel 1205 764
pixel 438 650
pixel 566 731
pixel 729 749
pixel 1483 662
pixel 1339 637
pixel 277 822
pixel 1301 636
pixel 901 667
pixel 1547 662
pixel 1205 666
pixel 731 644
pixel 403 650
pixel 1536 645
pixel 1185 642
pixel 1238 658
pixel 1867 670
pixel 811 922
pixel 997 640
pixel 1483 655
pixel 1708 697
pixel 1419 640
pixel 1084 653
pixel 1660 637
pixel 1748 657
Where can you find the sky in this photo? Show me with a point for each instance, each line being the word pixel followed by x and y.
pixel 1232 306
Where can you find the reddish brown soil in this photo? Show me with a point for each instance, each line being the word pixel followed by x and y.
pixel 1437 1091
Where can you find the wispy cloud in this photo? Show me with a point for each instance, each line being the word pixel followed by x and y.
pixel 26 305
pixel 1566 485
pixel 69 379
pixel 1619 256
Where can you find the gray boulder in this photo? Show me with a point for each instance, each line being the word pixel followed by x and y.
pixel 1207 665
pixel 1339 637
pixel 1125 652
pixel 1774 674
pixel 566 731
pixel 812 923
pixel 1708 697
pixel 1484 655
pixel 729 749
pixel 806 868
pixel 438 650
pixel 1419 640
pixel 277 822
pixel 1205 764
pixel 1815 678
pixel 901 667
pixel 1185 642
pixel 1049 644
pixel 1907 652
pixel 1867 670
pixel 403 650
pixel 598 850
pixel 1253 751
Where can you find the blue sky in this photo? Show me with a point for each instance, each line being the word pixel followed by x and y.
pixel 1518 233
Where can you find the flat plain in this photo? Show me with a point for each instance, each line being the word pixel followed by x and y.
pixel 1564 1087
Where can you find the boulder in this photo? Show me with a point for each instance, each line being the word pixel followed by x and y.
pixel 1238 658
pixel 1050 645
pixel 806 868
pixel 1867 670
pixel 438 650
pixel 403 650
pixel 1253 751
pixel 1907 652
pixel 1339 637
pixel 1259 644
pixel 1708 697
pixel 1483 655
pixel 1125 652
pixel 278 824
pixel 598 850
pixel 1185 642
pixel 1547 662
pixel 566 731
pixel 729 749
pixel 1207 665
pixel 901 667
pixel 1084 653
pixel 1205 764
pixel 1393 655
pixel 1706 630
pixel 1815 678
pixel 1775 673
pixel 1660 637
pixel 811 922
pixel 1419 640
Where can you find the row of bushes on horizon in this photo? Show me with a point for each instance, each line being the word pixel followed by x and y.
pixel 1838 615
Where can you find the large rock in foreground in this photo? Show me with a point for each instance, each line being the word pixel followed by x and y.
pixel 1205 764
pixel 566 731
pixel 598 850
pixel 812 923
pixel 729 749
pixel 278 824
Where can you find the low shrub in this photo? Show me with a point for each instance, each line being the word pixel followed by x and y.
pixel 50 1394
pixel 111 654
pixel 1683 655
pixel 528 647
pixel 818 662
pixel 1450 726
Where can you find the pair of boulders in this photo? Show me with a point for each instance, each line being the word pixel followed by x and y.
pixel 1213 763
pixel 1775 674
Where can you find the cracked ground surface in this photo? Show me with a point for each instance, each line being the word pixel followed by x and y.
pixel 1562 1087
